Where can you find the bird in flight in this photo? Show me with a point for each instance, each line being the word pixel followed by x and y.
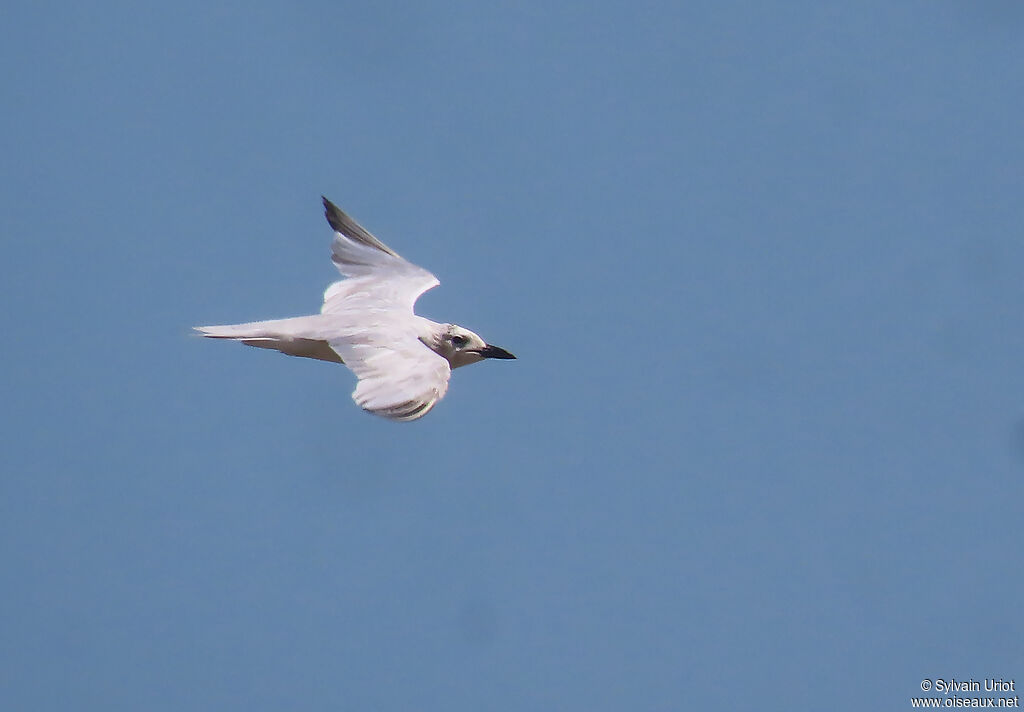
pixel 403 361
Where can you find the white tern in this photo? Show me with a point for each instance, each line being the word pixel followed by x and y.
pixel 403 361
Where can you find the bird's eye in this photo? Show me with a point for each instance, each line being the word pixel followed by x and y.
pixel 459 341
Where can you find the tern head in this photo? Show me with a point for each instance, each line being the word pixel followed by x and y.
pixel 462 347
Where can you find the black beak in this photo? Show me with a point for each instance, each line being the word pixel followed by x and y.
pixel 494 352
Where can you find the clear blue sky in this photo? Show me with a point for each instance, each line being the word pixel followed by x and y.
pixel 761 263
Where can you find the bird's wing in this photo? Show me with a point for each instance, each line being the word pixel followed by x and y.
pixel 399 377
pixel 379 279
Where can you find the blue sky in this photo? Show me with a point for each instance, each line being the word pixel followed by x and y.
pixel 760 262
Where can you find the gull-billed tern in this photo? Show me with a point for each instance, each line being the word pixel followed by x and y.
pixel 403 361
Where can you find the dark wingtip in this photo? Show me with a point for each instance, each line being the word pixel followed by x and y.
pixel 335 217
pixel 344 224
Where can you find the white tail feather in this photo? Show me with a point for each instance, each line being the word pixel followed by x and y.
pixel 295 337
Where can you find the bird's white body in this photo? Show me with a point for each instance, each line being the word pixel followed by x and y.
pixel 403 361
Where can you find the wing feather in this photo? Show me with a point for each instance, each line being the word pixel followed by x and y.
pixel 377 274
pixel 399 379
pixel 342 223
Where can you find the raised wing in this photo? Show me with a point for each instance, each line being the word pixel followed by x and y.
pixel 379 279
pixel 399 377
pixel 378 335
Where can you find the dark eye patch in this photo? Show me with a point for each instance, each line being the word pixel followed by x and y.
pixel 459 341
